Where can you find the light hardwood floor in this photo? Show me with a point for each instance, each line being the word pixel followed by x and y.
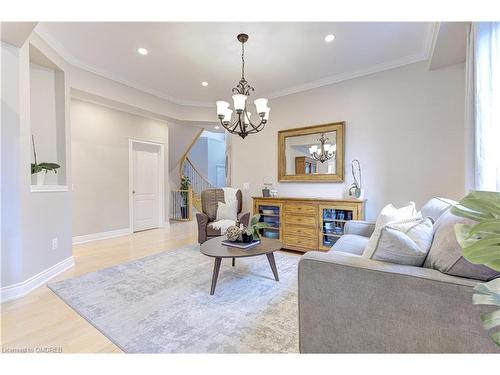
pixel 41 319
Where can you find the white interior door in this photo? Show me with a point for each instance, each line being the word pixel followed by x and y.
pixel 145 186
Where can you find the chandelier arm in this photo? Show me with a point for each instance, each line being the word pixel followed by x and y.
pixel 258 127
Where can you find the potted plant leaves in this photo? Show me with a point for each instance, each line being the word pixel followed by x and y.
pixel 185 185
pixel 252 232
pixel 480 244
pixel 41 169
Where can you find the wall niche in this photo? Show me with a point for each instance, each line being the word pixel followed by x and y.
pixel 48 121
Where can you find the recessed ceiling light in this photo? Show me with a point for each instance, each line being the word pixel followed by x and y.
pixel 204 83
pixel 329 38
pixel 216 127
pixel 142 51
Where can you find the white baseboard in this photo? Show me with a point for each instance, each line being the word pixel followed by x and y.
pixel 19 290
pixel 101 236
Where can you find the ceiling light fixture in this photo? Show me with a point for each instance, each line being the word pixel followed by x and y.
pixel 242 126
pixel 204 83
pixel 142 51
pixel 329 38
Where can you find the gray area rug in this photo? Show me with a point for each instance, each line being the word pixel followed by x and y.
pixel 161 304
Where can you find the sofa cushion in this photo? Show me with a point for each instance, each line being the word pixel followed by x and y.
pixel 405 243
pixel 436 207
pixel 445 254
pixel 351 243
pixel 389 214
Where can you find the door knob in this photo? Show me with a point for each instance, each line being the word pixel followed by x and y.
pixel 133 191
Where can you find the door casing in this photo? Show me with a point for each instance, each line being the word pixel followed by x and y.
pixel 161 180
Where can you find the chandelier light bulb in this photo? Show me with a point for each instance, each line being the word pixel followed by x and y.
pixel 266 115
pixel 222 106
pixel 247 117
pixel 227 115
pixel 239 101
pixel 260 105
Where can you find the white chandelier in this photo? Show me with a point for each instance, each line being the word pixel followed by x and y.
pixel 242 125
pixel 324 152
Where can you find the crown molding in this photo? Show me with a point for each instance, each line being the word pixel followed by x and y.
pixel 423 56
pixel 432 31
pixel 71 59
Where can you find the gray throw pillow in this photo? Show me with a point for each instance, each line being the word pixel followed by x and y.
pixel 405 243
pixel 445 254
pixel 435 207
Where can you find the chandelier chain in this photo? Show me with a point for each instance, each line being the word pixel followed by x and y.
pixel 243 61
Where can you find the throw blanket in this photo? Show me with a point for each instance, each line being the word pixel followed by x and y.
pixel 229 197
pixel 229 194
pixel 223 225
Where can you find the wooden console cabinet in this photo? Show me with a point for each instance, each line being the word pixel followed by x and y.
pixel 306 224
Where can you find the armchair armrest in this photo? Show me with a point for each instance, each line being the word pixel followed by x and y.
pixel 359 227
pixel 351 304
pixel 202 226
pixel 244 218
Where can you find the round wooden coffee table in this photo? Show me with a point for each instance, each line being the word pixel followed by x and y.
pixel 215 249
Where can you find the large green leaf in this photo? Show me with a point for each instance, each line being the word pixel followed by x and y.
pixel 491 319
pixel 483 251
pixel 49 166
pixel 489 294
pixel 495 336
pixel 469 214
pixel 486 226
pixel 255 219
pixel 485 205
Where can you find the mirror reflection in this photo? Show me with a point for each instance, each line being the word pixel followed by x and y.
pixel 311 154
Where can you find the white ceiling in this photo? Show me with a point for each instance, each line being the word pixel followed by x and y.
pixel 281 58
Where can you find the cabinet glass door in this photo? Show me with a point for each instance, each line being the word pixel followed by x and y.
pixel 333 220
pixel 271 215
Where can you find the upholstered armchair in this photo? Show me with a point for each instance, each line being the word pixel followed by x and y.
pixel 209 201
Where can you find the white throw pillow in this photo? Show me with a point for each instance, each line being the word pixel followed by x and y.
pixel 389 214
pixel 405 243
pixel 227 211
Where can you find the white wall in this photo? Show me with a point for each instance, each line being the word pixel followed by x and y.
pixel 404 125
pixel 34 219
pixel 100 157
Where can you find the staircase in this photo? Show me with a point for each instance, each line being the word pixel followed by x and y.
pixel 198 181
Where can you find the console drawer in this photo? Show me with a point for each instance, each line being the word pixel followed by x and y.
pixel 300 220
pixel 303 242
pixel 301 231
pixel 301 209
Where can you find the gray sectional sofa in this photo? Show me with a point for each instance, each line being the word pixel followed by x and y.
pixel 352 304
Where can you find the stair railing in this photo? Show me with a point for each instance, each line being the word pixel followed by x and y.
pixel 198 181
pixel 181 205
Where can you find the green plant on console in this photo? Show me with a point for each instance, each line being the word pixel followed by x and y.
pixel 36 168
pixel 255 226
pixel 480 244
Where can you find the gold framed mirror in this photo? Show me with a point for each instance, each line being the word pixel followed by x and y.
pixel 312 153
